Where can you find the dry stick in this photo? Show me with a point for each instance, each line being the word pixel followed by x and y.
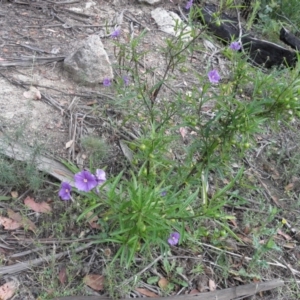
pixel 63 2
pixel 54 103
pixel 80 20
pixel 28 61
pixel 23 253
pixel 28 37
pixel 74 17
pixel 269 193
pixel 61 20
pixel 240 25
pixel 261 149
pixel 80 133
pixel 72 127
pixel 293 274
pixel 182 14
pixel 32 263
pixel 241 33
pixel 76 13
pixel 23 195
pixel 282 16
pixel 87 95
pixel 142 271
pixel 274 263
pixel 73 137
pixel 132 19
pixel 149 287
pixel 51 2
pixel 239 292
pixel 5 247
pixel 70 133
pixel 33 48
pixel 15 240
pixel 247 209
pixel 264 191
pixel 73 26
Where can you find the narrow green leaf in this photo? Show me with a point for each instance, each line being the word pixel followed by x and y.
pixel 152 280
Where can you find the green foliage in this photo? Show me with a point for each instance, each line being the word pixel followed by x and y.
pixel 272 14
pixel 166 187
pixel 285 11
pixel 255 8
pixel 267 245
pixel 17 175
pixel 51 287
pixel 138 216
pixel 180 178
pixel 97 149
pixel 20 174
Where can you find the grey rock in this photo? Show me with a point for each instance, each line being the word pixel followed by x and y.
pixel 89 64
pixel 168 22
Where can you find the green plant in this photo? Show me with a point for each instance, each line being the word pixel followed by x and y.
pixel 14 174
pixel 270 15
pixel 166 188
pixel 139 214
pixel 269 244
pixel 96 148
pixel 51 287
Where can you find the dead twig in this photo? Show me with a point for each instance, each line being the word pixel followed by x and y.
pixel 142 271
pixel 28 61
pixel 12 269
pixel 274 263
pixel 237 292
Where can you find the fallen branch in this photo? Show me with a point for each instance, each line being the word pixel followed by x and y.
pixel 29 61
pixel 42 162
pixel 237 292
pixel 33 263
pixel 289 39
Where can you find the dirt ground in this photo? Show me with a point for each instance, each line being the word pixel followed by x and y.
pixel 37 29
pixel 47 29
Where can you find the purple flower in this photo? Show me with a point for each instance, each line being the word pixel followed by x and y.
pixel 116 33
pixel 126 80
pixel 174 238
pixel 106 82
pixel 163 193
pixel 85 181
pixel 214 76
pixel 65 190
pixel 189 4
pixel 100 176
pixel 235 46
